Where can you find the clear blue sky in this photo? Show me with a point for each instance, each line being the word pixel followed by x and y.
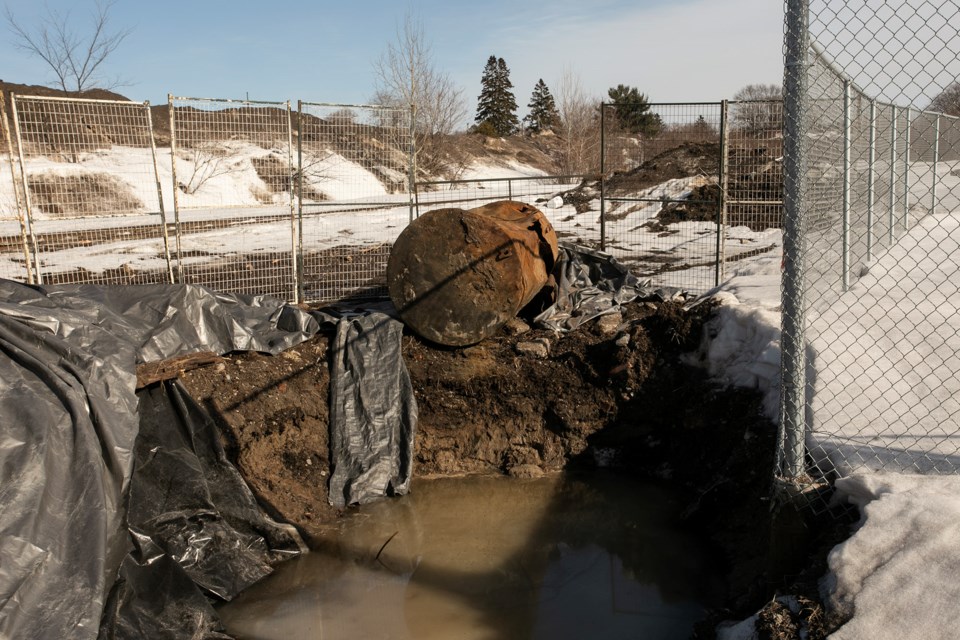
pixel 672 50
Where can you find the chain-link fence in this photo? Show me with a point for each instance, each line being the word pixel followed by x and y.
pixel 231 163
pixel 871 330
pixel 354 173
pixel 88 177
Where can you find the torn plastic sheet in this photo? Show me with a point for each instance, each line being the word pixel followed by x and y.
pixel 590 284
pixel 196 527
pixel 69 417
pixel 373 413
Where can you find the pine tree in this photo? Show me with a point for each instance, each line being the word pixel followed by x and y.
pixel 543 114
pixel 496 106
pixel 633 111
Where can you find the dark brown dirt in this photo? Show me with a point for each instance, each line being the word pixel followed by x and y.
pixel 597 398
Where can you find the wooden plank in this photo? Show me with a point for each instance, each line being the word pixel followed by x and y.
pixel 151 372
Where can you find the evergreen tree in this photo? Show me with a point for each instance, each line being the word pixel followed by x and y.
pixel 543 114
pixel 633 111
pixel 496 106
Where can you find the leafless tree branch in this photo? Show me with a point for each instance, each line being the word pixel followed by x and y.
pixel 73 56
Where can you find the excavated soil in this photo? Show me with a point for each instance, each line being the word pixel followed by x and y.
pixel 615 393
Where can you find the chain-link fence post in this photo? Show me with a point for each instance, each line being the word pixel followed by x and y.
pixel 792 325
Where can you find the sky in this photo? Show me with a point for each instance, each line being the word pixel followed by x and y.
pixel 672 51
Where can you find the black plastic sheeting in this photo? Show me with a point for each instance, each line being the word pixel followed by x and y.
pixel 373 413
pixel 195 525
pixel 70 418
pixel 590 284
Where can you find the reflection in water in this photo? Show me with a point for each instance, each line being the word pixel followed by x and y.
pixel 491 558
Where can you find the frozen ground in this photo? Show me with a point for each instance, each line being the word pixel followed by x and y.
pixel 897 573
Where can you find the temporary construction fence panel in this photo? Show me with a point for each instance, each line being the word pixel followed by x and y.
pixel 871 330
pixel 661 194
pixel 354 177
pixel 752 180
pixel 88 176
pixel 231 236
pixel 690 189
pixel 15 262
pixel 564 200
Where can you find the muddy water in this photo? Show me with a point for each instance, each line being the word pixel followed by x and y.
pixel 492 558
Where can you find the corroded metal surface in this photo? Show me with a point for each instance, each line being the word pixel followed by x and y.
pixel 456 276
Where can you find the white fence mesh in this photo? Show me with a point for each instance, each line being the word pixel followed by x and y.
pixel 90 176
pixel 697 192
pixel 354 194
pixel 231 162
pixel 872 251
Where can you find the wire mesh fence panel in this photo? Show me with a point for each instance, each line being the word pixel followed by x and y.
pixel 91 191
pixel 355 168
pixel 871 333
pixel 15 262
pixel 661 192
pixel 570 203
pixel 231 174
pixel 753 168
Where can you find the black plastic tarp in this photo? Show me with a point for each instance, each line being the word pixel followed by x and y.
pixel 590 284
pixel 70 418
pixel 195 525
pixel 373 413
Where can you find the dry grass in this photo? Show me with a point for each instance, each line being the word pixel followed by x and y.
pixel 86 194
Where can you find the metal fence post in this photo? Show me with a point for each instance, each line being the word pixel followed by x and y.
pixel 413 160
pixel 603 178
pixel 724 184
pixel 891 212
pixel 21 214
pixel 28 205
pixel 906 173
pixel 845 261
pixel 176 184
pixel 301 279
pixel 936 158
pixel 163 212
pixel 793 423
pixel 294 235
pixel 871 177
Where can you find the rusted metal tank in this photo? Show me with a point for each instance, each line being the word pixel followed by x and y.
pixel 456 276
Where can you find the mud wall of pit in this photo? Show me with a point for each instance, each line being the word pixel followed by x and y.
pixel 525 402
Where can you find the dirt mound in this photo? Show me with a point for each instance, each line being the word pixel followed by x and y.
pixel 686 160
pixel 50 191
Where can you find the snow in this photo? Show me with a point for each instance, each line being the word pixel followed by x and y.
pixel 897 573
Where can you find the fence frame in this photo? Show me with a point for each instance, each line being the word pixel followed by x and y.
pixel 17 193
pixel 37 271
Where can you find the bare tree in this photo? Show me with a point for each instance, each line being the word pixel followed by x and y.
pixel 758 108
pixel 405 76
pixel 75 57
pixel 579 129
pixel 948 101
